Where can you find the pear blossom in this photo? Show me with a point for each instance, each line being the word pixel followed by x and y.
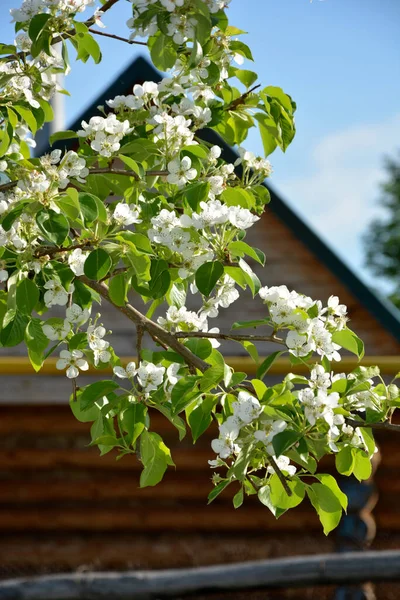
pixel 77 315
pixel 73 362
pixel 181 171
pixel 150 376
pixel 55 294
pixel 56 330
pixel 128 373
pixel 76 261
pixel 247 408
pixel 3 275
pixel 126 214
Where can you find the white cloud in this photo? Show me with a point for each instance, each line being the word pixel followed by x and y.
pixel 339 194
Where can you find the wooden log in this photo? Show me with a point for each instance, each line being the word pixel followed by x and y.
pixel 89 458
pixel 298 571
pixel 151 517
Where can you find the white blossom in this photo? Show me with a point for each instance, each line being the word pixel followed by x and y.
pixel 73 362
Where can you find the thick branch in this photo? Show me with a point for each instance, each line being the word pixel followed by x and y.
pixel 228 336
pixel 386 426
pixel 154 329
pixel 280 475
pixel 116 37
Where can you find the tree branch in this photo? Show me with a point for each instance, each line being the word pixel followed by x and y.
pixel 241 99
pixel 280 475
pixel 386 426
pixel 116 37
pixel 153 329
pixel 228 336
pixel 50 250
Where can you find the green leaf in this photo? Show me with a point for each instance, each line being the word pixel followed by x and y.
pixel 280 499
pixel 160 278
pixel 251 349
pixel 238 498
pixel 246 77
pixel 200 347
pixel 267 363
pixel 96 391
pixel 117 289
pixel 87 45
pixel 97 264
pixel 241 249
pixel 27 296
pixel 37 24
pixel 155 457
pixel 162 52
pixel 200 417
pixel 349 340
pixel 53 226
pixel 63 135
pixel 362 464
pixel 264 496
pixel 331 483
pixel 327 505
pixel 4 142
pixel 284 440
pixel 217 490
pixel 182 393
pixel 345 461
pixel 268 131
pixel 211 377
pixel 28 116
pixel 251 278
pixel 207 276
pixel 89 207
pixel 36 342
pixel 133 420
pixel 236 196
pixel 194 194
pixel 13 332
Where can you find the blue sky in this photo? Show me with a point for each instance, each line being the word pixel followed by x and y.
pixel 339 59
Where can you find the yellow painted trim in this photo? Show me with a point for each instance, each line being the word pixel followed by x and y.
pixel 389 365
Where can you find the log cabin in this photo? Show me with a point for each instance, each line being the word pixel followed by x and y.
pixel 62 507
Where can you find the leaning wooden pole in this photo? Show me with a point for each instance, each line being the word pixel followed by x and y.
pixel 320 569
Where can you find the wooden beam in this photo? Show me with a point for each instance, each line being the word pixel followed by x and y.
pixel 321 569
pixel 389 365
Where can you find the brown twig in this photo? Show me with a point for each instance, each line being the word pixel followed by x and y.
pixel 50 250
pixel 386 426
pixel 280 476
pixel 226 336
pixel 241 98
pixel 116 37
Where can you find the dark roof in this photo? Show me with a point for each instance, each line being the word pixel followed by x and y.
pixel 385 313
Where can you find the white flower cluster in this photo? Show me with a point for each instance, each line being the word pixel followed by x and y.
pixel 149 375
pixel 215 213
pixel 105 133
pixel 290 310
pixel 261 167
pixel 319 402
pixel 247 411
pixel 60 8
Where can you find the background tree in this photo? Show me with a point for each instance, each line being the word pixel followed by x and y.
pixel 382 240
